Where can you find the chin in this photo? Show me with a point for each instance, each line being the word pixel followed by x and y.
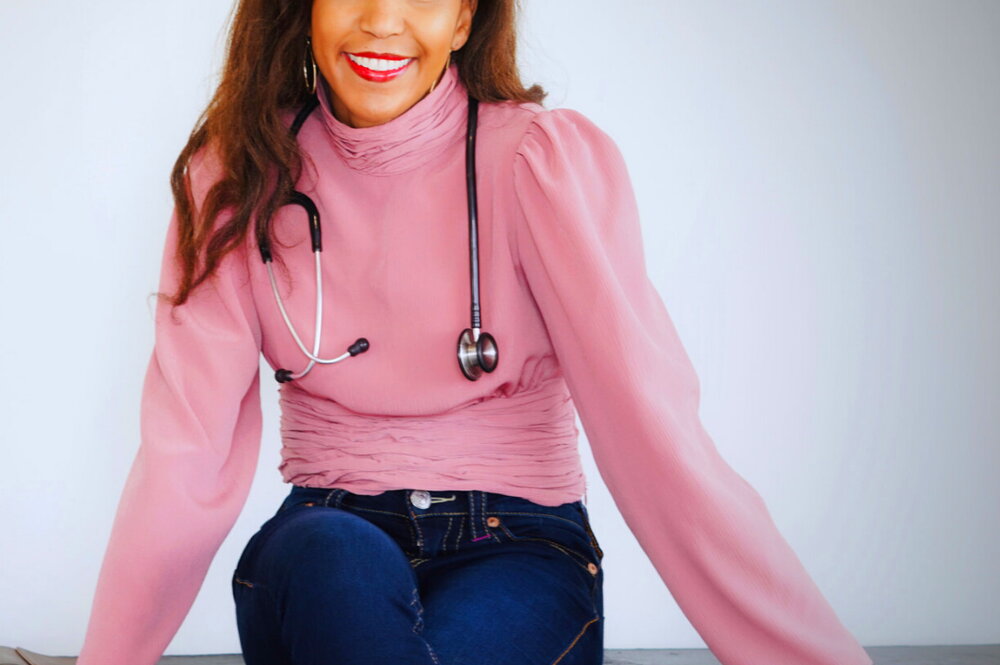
pixel 384 107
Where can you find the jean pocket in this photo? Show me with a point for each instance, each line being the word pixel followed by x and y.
pixel 564 528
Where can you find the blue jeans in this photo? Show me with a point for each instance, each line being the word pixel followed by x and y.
pixel 420 578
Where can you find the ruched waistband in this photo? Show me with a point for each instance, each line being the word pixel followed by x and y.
pixel 524 444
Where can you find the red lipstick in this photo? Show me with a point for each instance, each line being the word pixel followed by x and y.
pixel 386 56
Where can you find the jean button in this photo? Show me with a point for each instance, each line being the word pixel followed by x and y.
pixel 420 498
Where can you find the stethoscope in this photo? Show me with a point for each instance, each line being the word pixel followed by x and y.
pixel 477 351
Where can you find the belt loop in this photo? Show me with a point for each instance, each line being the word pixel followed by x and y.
pixel 483 514
pixel 473 513
pixel 335 497
pixel 405 497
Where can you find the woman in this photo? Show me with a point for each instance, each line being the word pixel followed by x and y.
pixel 435 514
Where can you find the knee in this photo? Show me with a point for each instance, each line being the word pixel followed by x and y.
pixel 339 548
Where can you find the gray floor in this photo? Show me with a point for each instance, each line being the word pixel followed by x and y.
pixel 988 654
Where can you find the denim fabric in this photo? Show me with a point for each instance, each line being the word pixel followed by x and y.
pixel 475 578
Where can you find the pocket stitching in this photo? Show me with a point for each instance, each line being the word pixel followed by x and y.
pixel 572 553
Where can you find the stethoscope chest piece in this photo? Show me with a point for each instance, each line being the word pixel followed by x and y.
pixel 477 356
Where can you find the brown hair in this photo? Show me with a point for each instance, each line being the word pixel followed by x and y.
pixel 262 79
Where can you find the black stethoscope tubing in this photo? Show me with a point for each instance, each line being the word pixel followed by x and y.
pixel 477 350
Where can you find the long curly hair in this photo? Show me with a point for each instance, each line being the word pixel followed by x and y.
pixel 244 123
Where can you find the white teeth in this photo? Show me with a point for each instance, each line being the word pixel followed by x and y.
pixel 379 64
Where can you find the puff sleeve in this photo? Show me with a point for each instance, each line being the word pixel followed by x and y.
pixel 706 530
pixel 199 442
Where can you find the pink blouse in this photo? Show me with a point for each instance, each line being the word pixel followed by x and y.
pixel 564 291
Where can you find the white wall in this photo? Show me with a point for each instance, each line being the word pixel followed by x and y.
pixel 819 190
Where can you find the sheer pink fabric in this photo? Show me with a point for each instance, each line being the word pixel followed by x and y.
pixel 565 293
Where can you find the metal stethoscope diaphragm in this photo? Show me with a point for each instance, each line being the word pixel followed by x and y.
pixel 477 350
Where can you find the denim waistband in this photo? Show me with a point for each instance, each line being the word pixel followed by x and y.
pixel 444 502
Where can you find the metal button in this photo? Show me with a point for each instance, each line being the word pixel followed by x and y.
pixel 309 503
pixel 592 568
pixel 420 498
pixel 493 521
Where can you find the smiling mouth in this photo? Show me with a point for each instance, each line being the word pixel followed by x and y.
pixel 378 67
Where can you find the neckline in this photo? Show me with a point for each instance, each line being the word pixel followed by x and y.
pixel 409 140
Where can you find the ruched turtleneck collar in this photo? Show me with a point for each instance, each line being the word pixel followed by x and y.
pixel 409 140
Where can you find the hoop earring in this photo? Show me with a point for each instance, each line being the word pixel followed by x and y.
pixel 446 66
pixel 310 83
